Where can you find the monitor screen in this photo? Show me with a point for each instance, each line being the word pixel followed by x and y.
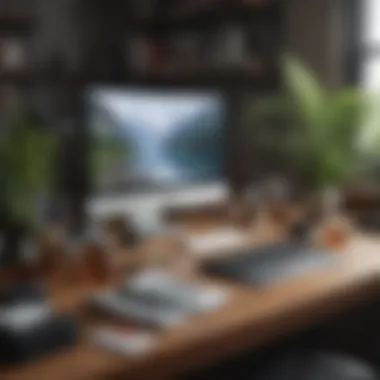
pixel 148 140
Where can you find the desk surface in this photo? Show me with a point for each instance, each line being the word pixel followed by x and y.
pixel 252 317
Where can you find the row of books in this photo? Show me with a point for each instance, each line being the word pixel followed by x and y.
pixel 223 49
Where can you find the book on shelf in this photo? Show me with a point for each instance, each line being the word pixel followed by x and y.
pixel 235 47
pixel 12 54
pixel 138 54
pixel 225 48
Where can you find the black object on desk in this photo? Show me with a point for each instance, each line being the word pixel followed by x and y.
pixel 369 221
pixel 22 292
pixel 28 328
pixel 261 265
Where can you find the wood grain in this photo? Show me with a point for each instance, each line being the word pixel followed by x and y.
pixel 253 317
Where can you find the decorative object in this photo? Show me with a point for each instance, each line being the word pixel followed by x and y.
pixel 97 264
pixel 52 259
pixel 13 54
pixel 121 233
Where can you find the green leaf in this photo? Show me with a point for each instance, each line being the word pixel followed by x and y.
pixel 305 92
pixel 27 157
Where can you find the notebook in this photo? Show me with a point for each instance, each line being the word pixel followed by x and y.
pixel 157 299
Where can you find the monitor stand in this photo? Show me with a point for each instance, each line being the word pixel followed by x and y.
pixel 149 220
pixel 150 212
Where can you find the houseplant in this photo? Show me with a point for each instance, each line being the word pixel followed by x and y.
pixel 26 163
pixel 324 129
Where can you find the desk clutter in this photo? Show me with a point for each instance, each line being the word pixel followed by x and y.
pixel 147 303
pixel 136 302
pixel 90 257
pixel 269 263
pixel 223 238
pixel 29 328
pixel 154 298
pixel 125 340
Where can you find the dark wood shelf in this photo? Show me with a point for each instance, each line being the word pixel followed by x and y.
pixel 207 19
pixel 15 25
pixel 268 12
pixel 213 80
pixel 14 78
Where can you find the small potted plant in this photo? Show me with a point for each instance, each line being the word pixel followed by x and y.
pixel 26 159
pixel 322 133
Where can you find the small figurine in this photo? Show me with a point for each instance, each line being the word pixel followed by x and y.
pixel 121 232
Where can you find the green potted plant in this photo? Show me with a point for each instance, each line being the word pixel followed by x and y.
pixel 26 159
pixel 324 129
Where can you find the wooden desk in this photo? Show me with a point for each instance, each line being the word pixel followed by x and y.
pixel 254 316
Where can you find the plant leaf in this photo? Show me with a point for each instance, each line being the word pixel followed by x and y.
pixel 305 92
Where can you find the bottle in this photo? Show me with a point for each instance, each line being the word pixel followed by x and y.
pixel 97 264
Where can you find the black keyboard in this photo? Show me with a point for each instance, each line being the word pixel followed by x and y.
pixel 268 263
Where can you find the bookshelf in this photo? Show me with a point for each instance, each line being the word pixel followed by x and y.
pixel 210 17
pixel 170 42
pixel 224 42
pixel 231 45
pixel 16 26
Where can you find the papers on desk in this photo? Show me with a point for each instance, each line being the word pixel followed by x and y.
pixel 122 340
pixel 157 299
pixel 220 239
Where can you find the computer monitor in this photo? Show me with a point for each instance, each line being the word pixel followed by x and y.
pixel 165 147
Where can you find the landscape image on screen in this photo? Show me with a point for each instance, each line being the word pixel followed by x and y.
pixel 149 140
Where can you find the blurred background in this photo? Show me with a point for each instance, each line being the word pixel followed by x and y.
pixel 119 117
pixel 53 52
